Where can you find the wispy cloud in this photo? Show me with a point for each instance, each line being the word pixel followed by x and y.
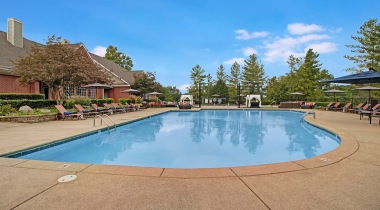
pixel 249 51
pixel 99 50
pixel 281 48
pixel 300 28
pixel 245 35
pixel 232 61
pixel 184 88
pixel 298 39
pixel 324 47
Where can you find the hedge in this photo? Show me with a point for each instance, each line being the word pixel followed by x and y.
pixel 32 103
pixel 18 96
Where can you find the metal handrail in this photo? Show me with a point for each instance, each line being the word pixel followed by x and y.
pixel 102 119
pixel 309 112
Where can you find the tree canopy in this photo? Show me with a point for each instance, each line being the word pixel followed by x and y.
pixel 146 83
pixel 59 64
pixel 253 75
pixel 119 58
pixel 367 50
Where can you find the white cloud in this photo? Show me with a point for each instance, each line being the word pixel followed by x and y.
pixel 249 51
pixel 300 28
pixel 282 48
pixel 324 47
pixel 245 35
pixel 232 61
pixel 184 88
pixel 99 50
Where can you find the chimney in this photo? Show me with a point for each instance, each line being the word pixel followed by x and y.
pixel 14 35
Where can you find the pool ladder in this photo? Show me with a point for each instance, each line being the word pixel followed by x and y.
pixel 102 119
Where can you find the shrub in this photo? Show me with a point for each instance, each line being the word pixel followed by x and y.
pixel 18 96
pixel 100 102
pixel 69 103
pixel 32 103
pixel 6 110
pixel 122 100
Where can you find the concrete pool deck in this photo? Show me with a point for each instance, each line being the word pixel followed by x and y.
pixel 346 178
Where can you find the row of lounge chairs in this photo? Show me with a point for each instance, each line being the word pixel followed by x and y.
pixel 85 113
pixel 360 109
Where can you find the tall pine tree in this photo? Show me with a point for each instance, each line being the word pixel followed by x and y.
pixel 253 75
pixel 368 48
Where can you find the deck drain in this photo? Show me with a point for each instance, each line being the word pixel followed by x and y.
pixel 64 166
pixel 67 178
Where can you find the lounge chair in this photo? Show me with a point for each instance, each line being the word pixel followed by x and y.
pixel 111 109
pixel 329 105
pixel 375 113
pixel 337 105
pixel 126 108
pixel 377 106
pixel 355 108
pixel 118 108
pixel 99 110
pixel 342 108
pixel 66 114
pixel 86 112
pixel 364 108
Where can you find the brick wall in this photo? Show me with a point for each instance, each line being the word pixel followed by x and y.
pixel 8 84
pixel 116 93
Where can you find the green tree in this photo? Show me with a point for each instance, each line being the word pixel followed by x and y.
pixel 119 58
pixel 233 80
pixel 309 75
pixel 253 75
pixel 197 77
pixel 57 65
pixel 171 93
pixel 220 87
pixel 368 48
pixel 146 83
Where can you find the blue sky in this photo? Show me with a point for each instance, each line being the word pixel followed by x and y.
pixel 170 37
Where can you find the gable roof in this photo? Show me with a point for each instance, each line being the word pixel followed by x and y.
pixel 9 53
pixel 127 76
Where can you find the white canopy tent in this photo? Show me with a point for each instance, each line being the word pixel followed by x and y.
pixel 252 98
pixel 187 97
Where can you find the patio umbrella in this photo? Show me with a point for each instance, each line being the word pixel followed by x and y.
pixel 370 76
pixel 334 91
pixel 154 94
pixel 96 86
pixel 369 88
pixel 131 91
pixel 215 95
pixel 298 94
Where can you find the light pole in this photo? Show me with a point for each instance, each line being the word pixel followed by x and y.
pixel 238 86
pixel 200 97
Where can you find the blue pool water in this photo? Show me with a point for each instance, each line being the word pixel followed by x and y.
pixel 204 139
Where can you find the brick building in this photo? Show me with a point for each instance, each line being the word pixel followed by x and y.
pixel 13 45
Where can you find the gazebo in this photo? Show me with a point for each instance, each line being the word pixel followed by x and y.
pixel 253 101
pixel 187 97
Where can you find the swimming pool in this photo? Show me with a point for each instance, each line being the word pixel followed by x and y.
pixel 202 139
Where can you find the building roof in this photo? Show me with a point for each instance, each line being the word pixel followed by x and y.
pixel 127 76
pixel 9 53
